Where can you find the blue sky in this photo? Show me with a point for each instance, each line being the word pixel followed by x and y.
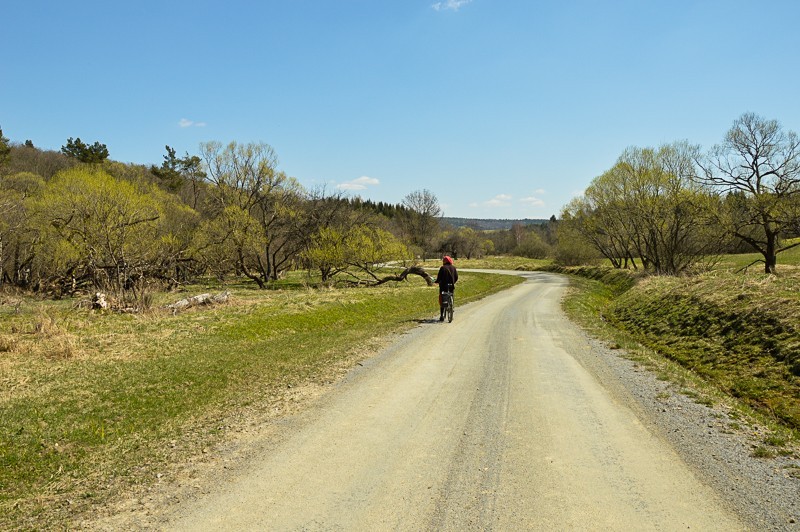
pixel 502 108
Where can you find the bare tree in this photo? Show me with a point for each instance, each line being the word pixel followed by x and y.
pixel 756 172
pixel 255 207
pixel 16 236
pixel 421 220
pixel 27 158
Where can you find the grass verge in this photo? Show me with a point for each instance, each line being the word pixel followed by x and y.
pixel 93 403
pixel 720 336
pixel 738 331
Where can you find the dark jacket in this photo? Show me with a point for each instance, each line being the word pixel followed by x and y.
pixel 447 276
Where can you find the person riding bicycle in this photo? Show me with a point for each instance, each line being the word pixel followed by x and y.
pixel 446 279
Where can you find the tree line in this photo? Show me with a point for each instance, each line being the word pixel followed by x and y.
pixel 75 220
pixel 674 208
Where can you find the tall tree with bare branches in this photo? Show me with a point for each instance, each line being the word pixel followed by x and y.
pixel 420 221
pixel 756 172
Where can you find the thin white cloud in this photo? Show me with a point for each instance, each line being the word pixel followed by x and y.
pixel 360 183
pixel 501 200
pixel 365 180
pixel 350 186
pixel 452 5
pixel 185 122
pixel 533 201
pixel 539 191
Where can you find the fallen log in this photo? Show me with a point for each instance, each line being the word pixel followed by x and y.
pixel 202 299
pixel 413 270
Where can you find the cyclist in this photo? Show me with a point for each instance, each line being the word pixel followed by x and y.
pixel 446 279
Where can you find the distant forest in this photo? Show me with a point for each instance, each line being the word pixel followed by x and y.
pixel 482 224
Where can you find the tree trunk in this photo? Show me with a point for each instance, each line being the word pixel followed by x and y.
pixel 770 258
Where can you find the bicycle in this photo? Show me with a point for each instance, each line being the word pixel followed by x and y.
pixel 448 303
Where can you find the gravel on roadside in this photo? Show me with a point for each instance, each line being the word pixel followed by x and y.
pixel 712 439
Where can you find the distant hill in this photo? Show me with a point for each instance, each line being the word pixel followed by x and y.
pixel 490 225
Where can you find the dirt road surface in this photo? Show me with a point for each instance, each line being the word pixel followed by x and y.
pixel 489 422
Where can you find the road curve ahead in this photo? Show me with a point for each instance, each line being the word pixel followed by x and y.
pixel 485 423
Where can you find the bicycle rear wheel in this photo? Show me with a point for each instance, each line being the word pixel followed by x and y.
pixel 450 309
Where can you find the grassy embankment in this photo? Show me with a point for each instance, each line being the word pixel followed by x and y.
pixel 92 403
pixel 733 333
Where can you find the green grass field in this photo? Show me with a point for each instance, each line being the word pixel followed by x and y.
pixel 789 259
pixel 91 401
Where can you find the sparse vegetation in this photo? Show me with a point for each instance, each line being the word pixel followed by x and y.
pixel 763 452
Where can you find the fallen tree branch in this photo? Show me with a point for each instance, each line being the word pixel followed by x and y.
pixel 202 299
pixel 413 270
pixel 744 268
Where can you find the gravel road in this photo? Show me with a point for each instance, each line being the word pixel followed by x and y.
pixel 509 418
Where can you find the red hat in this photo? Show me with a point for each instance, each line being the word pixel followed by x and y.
pixel 447 260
